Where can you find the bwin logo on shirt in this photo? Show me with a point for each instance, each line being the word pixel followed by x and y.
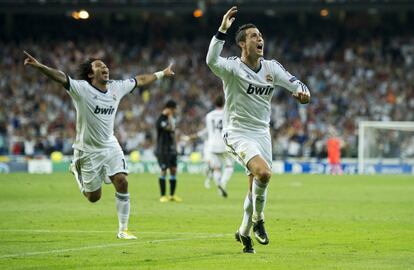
pixel 259 90
pixel 109 110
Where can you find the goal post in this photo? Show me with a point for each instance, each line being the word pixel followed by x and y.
pixel 385 147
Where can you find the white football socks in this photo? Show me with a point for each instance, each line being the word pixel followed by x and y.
pixel 217 177
pixel 228 171
pixel 246 224
pixel 259 195
pixel 122 207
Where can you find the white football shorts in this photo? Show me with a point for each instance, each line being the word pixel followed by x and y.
pixel 244 146
pixel 95 167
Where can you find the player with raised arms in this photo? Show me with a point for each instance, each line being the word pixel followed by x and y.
pixel 98 157
pixel 249 82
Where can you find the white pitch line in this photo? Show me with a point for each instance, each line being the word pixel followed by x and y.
pixel 92 231
pixel 130 243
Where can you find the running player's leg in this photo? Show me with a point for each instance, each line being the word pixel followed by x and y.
pixel 227 170
pixel 209 170
pixel 116 168
pixel 255 156
pixel 93 196
pixel 243 234
pixel 122 202
pixel 246 224
pixel 75 169
pixel 86 167
pixel 162 162
pixel 173 177
pixel 262 173
pixel 209 175
pixel 216 163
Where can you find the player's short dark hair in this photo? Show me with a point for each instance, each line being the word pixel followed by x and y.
pixel 171 104
pixel 241 32
pixel 219 101
pixel 85 69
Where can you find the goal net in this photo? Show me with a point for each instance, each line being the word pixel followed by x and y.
pixel 386 147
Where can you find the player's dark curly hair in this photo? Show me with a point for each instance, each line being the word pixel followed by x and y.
pixel 241 32
pixel 171 104
pixel 85 69
pixel 219 101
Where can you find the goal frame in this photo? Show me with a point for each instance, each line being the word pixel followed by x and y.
pixel 362 125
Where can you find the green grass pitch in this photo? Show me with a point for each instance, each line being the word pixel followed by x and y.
pixel 314 222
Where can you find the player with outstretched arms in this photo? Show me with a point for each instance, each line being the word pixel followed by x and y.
pixel 249 82
pixel 98 157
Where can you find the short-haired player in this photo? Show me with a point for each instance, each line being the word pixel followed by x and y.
pixel 249 82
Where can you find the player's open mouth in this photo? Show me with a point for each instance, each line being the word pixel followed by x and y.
pixel 260 47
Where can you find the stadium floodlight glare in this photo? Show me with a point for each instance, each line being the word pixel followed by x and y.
pixel 75 15
pixel 324 12
pixel 83 14
pixel 198 13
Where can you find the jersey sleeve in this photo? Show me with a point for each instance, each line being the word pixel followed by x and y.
pixel 220 66
pixel 125 87
pixel 76 88
pixel 287 80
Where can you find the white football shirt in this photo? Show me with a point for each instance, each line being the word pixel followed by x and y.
pixel 214 124
pixel 248 93
pixel 95 112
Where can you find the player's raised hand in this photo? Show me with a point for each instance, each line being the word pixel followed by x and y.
pixel 30 60
pixel 302 94
pixel 168 71
pixel 228 19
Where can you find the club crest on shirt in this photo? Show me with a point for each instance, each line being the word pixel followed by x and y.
pixel 114 97
pixel 243 155
pixel 95 97
pixel 269 78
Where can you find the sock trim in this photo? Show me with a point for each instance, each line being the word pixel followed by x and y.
pixel 260 184
pixel 122 196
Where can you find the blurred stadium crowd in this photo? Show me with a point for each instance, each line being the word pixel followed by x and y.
pixel 351 76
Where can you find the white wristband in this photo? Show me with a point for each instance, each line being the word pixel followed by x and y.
pixel 159 74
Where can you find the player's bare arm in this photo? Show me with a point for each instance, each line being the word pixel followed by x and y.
pixel 54 74
pixel 194 136
pixel 146 79
pixel 228 19
pixel 170 121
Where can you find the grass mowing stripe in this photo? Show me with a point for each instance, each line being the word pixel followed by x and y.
pixel 130 243
pixel 87 231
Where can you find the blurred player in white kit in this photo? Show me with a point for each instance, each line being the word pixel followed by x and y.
pixel 219 162
pixel 218 158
